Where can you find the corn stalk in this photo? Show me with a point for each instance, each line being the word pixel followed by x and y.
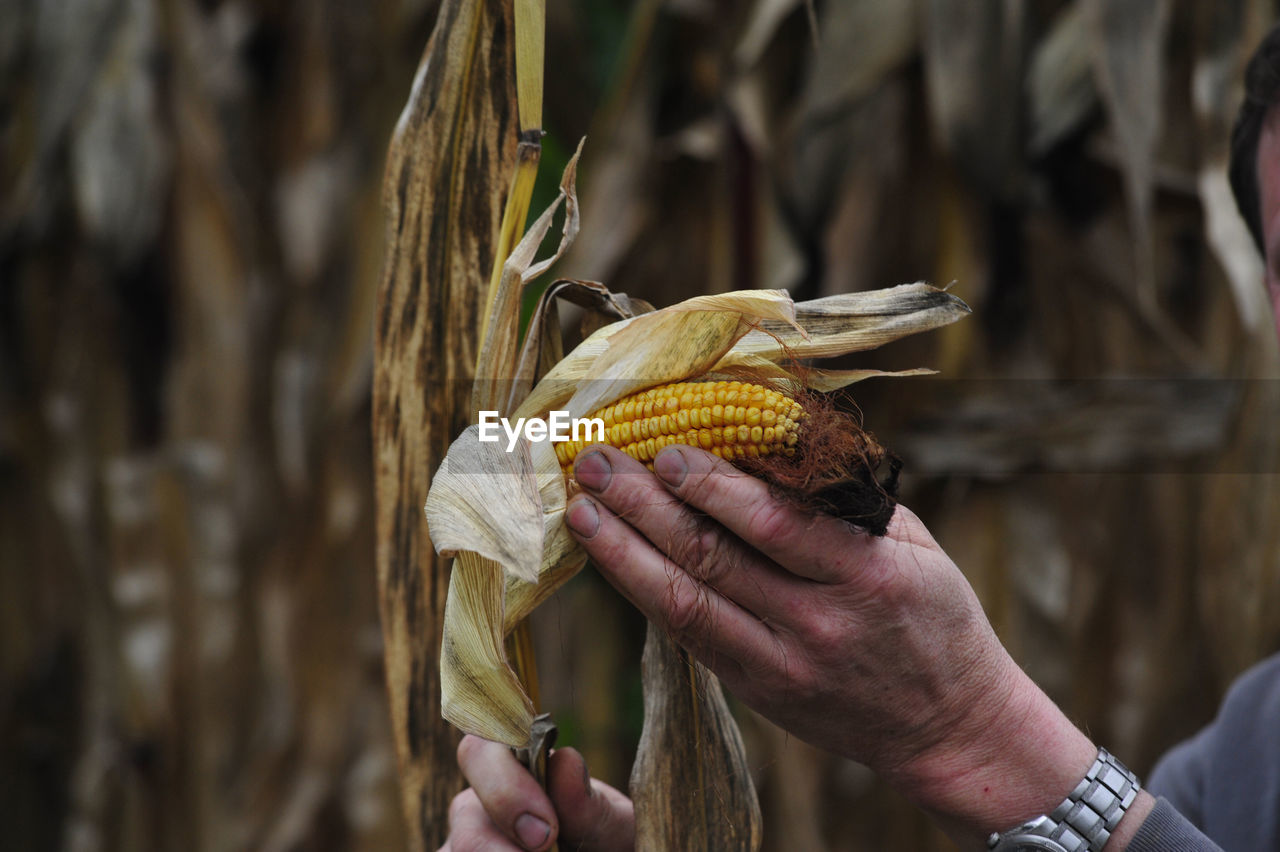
pixel 451 163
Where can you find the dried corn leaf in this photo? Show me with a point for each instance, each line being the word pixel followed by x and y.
pixel 476 477
pixel 562 558
pixel 973 64
pixel 499 356
pixel 480 694
pixel 851 322
pixel 813 378
pixel 858 45
pixel 531 28
pixel 689 781
pixel 684 341
pixel 1226 30
pixel 1060 89
pixel 543 346
pixel 1129 35
pixel 762 24
pixel 1230 240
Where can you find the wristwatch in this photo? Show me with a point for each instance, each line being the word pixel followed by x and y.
pixel 1084 820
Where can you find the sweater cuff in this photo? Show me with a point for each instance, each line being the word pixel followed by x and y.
pixel 1166 830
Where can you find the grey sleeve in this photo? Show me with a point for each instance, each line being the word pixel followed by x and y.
pixel 1166 830
pixel 1226 779
pixel 1180 776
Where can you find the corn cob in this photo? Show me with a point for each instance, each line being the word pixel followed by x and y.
pixel 731 419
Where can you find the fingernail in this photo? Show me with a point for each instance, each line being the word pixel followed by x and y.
pixel 532 831
pixel 593 471
pixel 583 518
pixel 671 466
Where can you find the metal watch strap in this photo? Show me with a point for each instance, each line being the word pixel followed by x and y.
pixel 1086 818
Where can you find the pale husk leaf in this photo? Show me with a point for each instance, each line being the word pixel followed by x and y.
pixel 475 478
pixel 543 348
pixel 851 322
pixel 812 378
pixel 480 694
pixel 663 346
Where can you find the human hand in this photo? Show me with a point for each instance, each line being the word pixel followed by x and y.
pixel 505 809
pixel 876 649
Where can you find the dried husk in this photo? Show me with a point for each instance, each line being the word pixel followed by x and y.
pixel 480 692
pixel 460 504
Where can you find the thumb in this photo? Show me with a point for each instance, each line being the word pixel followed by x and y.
pixel 593 816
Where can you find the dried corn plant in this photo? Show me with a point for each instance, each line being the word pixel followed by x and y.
pixel 190 246
pixel 499 512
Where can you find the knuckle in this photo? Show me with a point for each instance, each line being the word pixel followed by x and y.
pixel 767 663
pixel 826 642
pixel 882 584
pixel 771 521
pixel 707 556
pixel 611 548
pixel 687 610
pixel 699 487
pixel 805 685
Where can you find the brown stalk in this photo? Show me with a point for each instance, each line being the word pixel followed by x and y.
pixel 449 168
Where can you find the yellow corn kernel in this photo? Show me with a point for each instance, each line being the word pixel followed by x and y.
pixel 731 419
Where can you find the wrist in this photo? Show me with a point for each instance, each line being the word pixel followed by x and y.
pixel 1133 819
pixel 1085 821
pixel 1012 757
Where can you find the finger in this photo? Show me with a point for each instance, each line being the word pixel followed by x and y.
pixel 698 544
pixel 510 795
pixel 471 830
pixel 595 817
pixel 815 546
pixel 698 617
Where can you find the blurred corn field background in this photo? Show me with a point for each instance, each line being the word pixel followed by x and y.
pixel 190 244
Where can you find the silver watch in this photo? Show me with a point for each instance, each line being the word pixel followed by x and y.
pixel 1085 819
